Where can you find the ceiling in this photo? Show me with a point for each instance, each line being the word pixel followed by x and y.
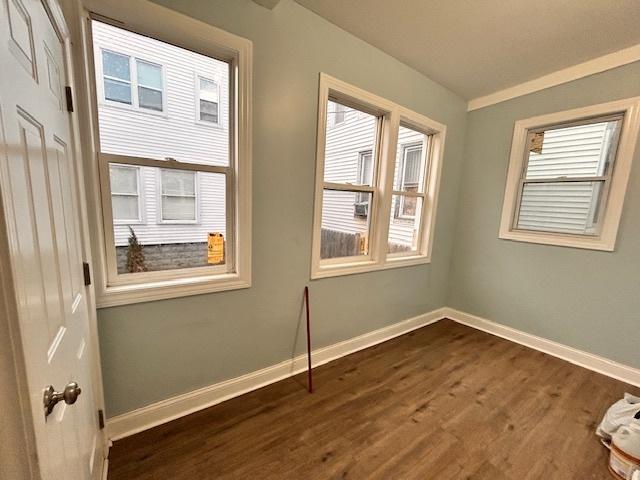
pixel 478 47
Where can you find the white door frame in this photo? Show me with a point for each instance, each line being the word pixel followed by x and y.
pixel 21 453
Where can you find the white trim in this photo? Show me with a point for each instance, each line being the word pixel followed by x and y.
pixel 150 416
pixel 590 361
pixel 169 26
pixel 384 159
pixel 105 469
pixel 606 238
pixel 575 72
pixel 166 410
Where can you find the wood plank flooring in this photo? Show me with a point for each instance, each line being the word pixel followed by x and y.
pixel 445 401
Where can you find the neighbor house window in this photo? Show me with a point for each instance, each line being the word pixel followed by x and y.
pixel 132 81
pixel 409 166
pixel 125 193
pixel 567 176
pixel 339 113
pixel 179 201
pixel 384 161
pixel 208 101
pixel 179 196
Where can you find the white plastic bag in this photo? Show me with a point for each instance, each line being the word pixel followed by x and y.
pixel 620 413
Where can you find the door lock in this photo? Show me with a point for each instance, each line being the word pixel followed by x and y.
pixel 51 398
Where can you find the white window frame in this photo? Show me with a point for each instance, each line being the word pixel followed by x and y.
pixel 133 84
pixel 390 116
pixel 139 195
pixel 149 19
pixel 161 219
pixel 614 189
pixel 197 96
pixel 360 172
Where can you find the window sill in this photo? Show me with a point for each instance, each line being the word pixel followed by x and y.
pixel 340 269
pixel 559 240
pixel 160 290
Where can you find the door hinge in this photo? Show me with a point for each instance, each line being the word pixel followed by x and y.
pixel 69 95
pixel 87 273
pixel 101 419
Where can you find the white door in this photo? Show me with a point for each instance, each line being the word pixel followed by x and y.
pixel 39 188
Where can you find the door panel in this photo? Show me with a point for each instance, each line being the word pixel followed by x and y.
pixel 39 188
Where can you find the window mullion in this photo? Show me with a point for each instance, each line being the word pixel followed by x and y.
pixel 388 143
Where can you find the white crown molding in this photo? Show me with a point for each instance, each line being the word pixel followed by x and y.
pixel 172 408
pixel 581 70
pixel 179 406
pixel 590 361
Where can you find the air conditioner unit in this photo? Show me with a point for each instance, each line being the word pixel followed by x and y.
pixel 361 210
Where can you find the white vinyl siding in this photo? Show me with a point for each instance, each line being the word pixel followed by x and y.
pixel 568 207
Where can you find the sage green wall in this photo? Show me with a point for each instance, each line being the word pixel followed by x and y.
pixel 156 350
pixel 583 298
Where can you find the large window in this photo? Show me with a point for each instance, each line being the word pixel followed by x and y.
pixel 174 194
pixel 145 92
pixel 567 176
pixel 376 184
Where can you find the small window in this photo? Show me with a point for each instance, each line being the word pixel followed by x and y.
pixel 208 106
pixel 376 185
pixel 567 176
pixel 125 199
pixel 179 200
pixel 365 175
pixel 149 85
pixel 117 77
pixel 137 83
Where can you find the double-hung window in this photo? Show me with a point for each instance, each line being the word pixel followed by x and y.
pixel 174 197
pixel 568 174
pixel 131 81
pixel 125 193
pixel 377 178
pixel 179 201
pixel 208 101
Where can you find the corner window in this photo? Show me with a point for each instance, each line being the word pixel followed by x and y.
pixel 188 184
pixel 208 101
pixel 377 178
pixel 567 176
pixel 179 201
pixel 125 197
pixel 131 81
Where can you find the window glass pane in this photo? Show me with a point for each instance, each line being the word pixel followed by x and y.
pixel 566 207
pixel 151 99
pixel 125 207
pixel 162 245
pixel 410 168
pixel 208 111
pixel 178 182
pixel 116 65
pixel 345 224
pixel 149 75
pixel 344 147
pixel 404 228
pixel 178 208
pixel 208 90
pixel 117 91
pixel 578 151
pixel 159 137
pixel 123 179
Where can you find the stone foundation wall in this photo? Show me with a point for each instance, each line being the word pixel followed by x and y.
pixel 168 256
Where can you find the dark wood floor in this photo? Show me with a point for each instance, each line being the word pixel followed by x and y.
pixel 445 402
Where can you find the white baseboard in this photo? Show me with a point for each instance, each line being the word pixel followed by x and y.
pixel 166 410
pixel 584 359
